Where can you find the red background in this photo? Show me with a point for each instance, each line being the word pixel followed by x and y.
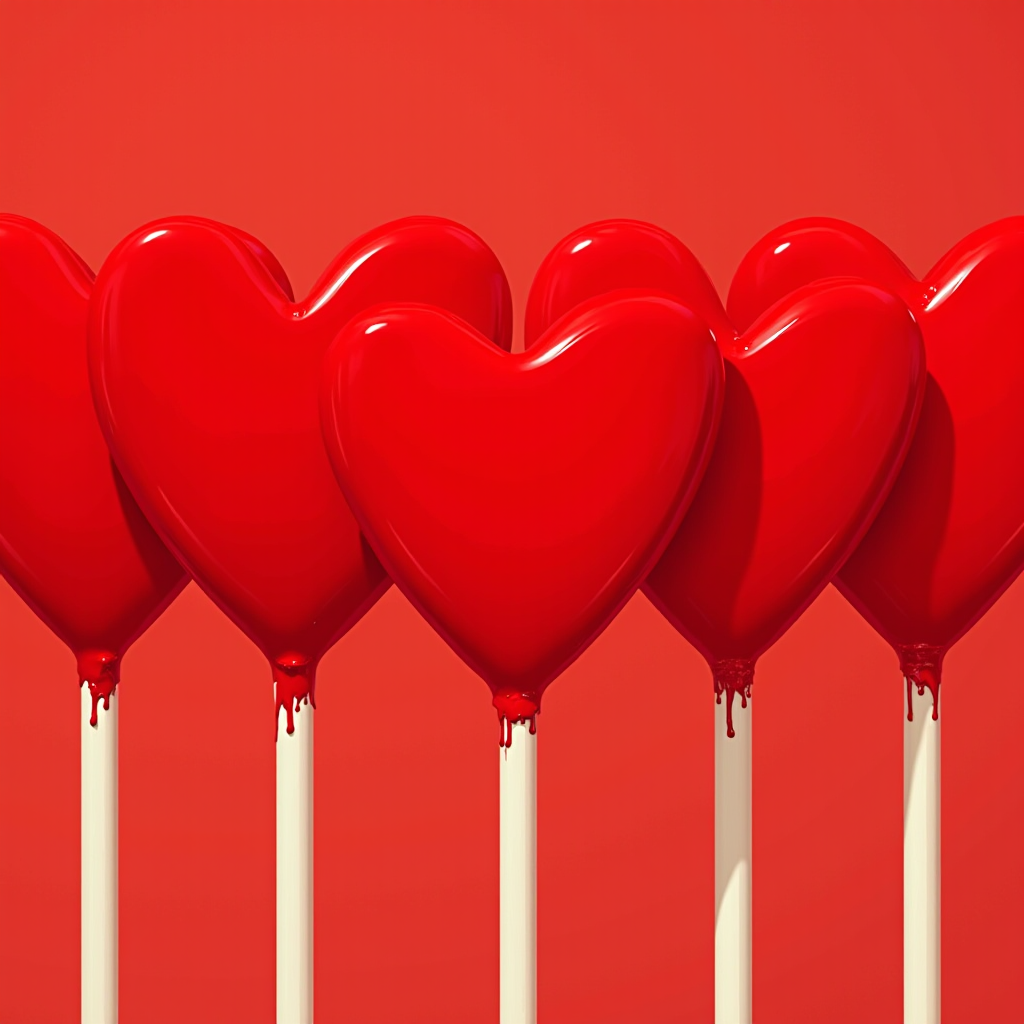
pixel 308 124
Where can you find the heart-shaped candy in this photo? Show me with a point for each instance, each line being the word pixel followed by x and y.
pixel 73 543
pixel 519 500
pixel 822 394
pixel 950 538
pixel 206 375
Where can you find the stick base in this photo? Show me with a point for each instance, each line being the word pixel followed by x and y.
pixel 922 874
pixel 295 871
pixel 518 784
pixel 733 813
pixel 99 859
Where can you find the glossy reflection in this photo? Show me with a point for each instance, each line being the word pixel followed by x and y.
pixel 822 393
pixel 206 376
pixel 73 543
pixel 950 538
pixel 519 500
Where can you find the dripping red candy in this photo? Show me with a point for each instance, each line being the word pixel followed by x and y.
pixel 101 671
pixel 731 677
pixel 294 685
pixel 513 708
pixel 921 665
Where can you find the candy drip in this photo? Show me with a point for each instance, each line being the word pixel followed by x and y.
pixel 512 708
pixel 102 671
pixel 732 676
pixel 922 667
pixel 294 682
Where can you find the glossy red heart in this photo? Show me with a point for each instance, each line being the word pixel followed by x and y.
pixel 950 539
pixel 822 393
pixel 206 376
pixel 73 543
pixel 519 500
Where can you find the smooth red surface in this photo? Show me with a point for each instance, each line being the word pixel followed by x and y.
pixel 822 394
pixel 308 124
pixel 205 377
pixel 950 538
pixel 519 547
pixel 73 543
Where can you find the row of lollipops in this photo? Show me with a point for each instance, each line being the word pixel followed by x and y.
pixel 842 420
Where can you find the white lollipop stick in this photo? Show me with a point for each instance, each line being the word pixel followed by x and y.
pixel 295 869
pixel 518 877
pixel 99 861
pixel 733 789
pixel 921 864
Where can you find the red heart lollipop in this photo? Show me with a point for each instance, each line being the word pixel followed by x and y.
pixel 205 377
pixel 822 393
pixel 519 500
pixel 950 539
pixel 73 543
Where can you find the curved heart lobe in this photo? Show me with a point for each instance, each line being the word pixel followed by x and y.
pixel 519 500
pixel 73 543
pixel 822 394
pixel 950 538
pixel 206 376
